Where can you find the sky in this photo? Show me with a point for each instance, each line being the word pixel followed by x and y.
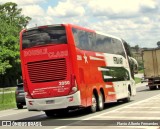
pixel 136 21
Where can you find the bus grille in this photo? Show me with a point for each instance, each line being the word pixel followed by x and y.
pixel 46 71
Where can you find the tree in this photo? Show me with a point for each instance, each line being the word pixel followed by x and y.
pixel 158 44
pixel 136 48
pixel 127 48
pixel 12 21
pixel 12 15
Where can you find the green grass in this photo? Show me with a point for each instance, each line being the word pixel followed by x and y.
pixel 7 101
pixel 7 89
pixel 137 80
pixel 141 71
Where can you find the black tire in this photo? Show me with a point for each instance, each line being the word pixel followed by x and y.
pixel 93 107
pixel 50 113
pixel 100 102
pixel 19 106
pixel 61 112
pixel 57 112
pixel 152 87
pixel 128 99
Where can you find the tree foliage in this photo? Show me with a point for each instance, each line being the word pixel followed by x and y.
pixel 13 15
pixel 11 22
pixel 127 48
pixel 158 44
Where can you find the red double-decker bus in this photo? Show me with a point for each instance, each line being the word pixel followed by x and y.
pixel 66 66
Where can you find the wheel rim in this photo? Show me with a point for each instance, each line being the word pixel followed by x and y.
pixel 94 104
pixel 129 95
pixel 100 101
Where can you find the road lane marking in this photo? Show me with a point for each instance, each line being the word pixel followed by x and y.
pixel 132 104
pixel 139 127
pixel 143 107
pixel 138 112
pixel 130 118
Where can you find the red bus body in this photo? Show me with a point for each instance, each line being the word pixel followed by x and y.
pixel 58 76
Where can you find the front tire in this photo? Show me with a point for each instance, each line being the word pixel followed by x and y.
pixel 128 99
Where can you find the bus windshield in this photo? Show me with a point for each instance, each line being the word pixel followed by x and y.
pixel 43 36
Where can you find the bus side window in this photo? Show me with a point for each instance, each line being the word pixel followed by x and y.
pixel 119 48
pixel 83 40
pixel 91 40
pixel 108 45
pixel 75 36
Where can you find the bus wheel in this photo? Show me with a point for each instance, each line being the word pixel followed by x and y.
pixel 128 99
pixel 100 102
pixel 50 113
pixel 93 107
pixel 61 112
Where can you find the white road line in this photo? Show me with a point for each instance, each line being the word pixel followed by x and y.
pixel 142 107
pixel 139 127
pixel 112 111
pixel 151 103
pixel 146 112
pixel 130 118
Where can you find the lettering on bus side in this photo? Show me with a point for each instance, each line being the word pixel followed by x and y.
pixel 117 60
pixel 57 54
pixel 35 52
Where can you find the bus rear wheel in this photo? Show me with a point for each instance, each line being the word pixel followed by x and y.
pixel 93 107
pixel 100 102
pixel 56 112
pixel 50 113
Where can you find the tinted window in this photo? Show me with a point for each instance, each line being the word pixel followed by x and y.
pixel 104 44
pixel 83 40
pixel 42 36
pixel 118 48
pixel 96 42
pixel 115 74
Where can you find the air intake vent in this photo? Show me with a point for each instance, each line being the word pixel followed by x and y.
pixel 48 70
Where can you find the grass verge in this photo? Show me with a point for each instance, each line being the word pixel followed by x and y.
pixel 141 71
pixel 7 89
pixel 7 101
pixel 137 80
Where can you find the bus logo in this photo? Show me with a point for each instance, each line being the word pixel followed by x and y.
pixel 117 60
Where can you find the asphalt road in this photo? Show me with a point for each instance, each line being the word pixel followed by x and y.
pixel 144 106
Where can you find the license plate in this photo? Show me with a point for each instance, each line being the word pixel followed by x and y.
pixel 49 101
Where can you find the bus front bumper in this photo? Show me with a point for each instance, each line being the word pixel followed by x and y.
pixel 54 103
